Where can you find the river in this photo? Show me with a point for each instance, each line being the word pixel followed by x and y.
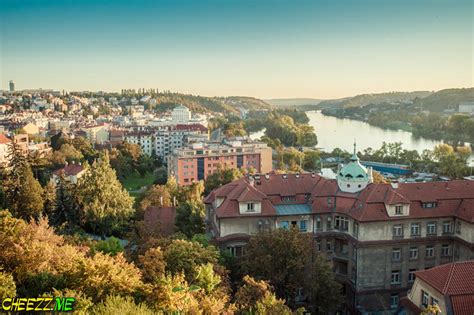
pixel 335 132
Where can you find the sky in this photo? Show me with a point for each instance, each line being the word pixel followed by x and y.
pixel 261 48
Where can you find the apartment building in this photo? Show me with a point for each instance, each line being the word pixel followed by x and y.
pixel 377 235
pixel 199 160
pixel 4 144
pixel 450 287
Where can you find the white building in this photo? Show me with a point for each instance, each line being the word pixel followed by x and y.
pixel 466 107
pixel 143 138
pixel 4 143
pixel 180 114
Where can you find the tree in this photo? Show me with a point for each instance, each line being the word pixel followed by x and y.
pixel 156 195
pixel 256 297
pixel 103 275
pixel 190 218
pixel 66 154
pixel 7 285
pixel 298 268
pixel 152 264
pixel 105 206
pixel 114 304
pixel 109 246
pixel 67 205
pixel 183 256
pixel 24 194
pixel 221 177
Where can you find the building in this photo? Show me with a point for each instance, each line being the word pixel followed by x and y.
pixel 96 133
pixel 377 235
pixel 172 138
pixel 4 144
pixel 450 286
pixel 144 139
pixel 12 86
pixel 199 160
pixel 180 114
pixel 466 107
pixel 72 172
pixel 160 220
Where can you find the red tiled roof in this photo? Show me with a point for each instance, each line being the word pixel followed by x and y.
pixel 451 279
pixel 197 127
pixel 69 170
pixel 4 139
pixel 164 217
pixel 463 304
pixel 455 198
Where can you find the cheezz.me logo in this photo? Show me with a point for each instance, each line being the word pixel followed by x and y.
pixel 40 304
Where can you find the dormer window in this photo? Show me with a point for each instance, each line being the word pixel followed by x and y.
pixel 250 207
pixel 399 210
pixel 428 205
pixel 288 198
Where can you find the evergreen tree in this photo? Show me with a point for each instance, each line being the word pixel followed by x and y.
pixel 190 218
pixel 105 206
pixel 23 191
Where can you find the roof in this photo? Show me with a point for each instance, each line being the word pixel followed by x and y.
pixel 453 198
pixel 451 279
pixel 69 170
pixel 162 217
pixel 195 127
pixel 4 139
pixel 455 281
pixel 293 209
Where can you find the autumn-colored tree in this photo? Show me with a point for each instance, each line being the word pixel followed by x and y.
pixel 7 285
pixel 66 154
pixel 152 264
pixel 256 297
pixel 378 178
pixel 103 275
pixel 156 195
pixel 115 304
pixel 105 205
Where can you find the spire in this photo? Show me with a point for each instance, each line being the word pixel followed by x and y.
pixel 354 156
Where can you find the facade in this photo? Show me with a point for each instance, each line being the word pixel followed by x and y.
pixel 377 235
pixel 72 172
pixel 180 114
pixel 466 107
pixel 450 286
pixel 199 160
pixel 143 138
pixel 4 143
pixel 96 134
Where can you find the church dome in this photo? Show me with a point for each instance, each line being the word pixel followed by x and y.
pixel 354 170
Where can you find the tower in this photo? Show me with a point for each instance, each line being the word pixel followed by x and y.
pixel 12 86
pixel 354 177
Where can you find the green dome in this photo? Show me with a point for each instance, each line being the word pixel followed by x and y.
pixel 354 170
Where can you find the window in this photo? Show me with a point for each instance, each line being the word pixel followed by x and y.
pixel 431 228
pixel 328 246
pixel 398 230
pixel 413 253
pixel 318 224
pixel 434 301
pixel 318 245
pixel 395 277
pixel 445 250
pixel 399 210
pixel 236 251
pixel 394 301
pixel 429 251
pixel 250 207
pixel 284 225
pixel 458 227
pixel 428 205
pixel 396 254
pixel 415 229
pixel 329 223
pixel 425 297
pixel 355 229
pixel 288 198
pixel 411 275
pixel 303 225
pixel 341 223
pixel 447 227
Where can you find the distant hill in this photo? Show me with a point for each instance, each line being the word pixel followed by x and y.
pixel 166 101
pixel 292 102
pixel 366 99
pixel 445 99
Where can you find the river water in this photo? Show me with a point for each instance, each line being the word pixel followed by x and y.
pixel 335 132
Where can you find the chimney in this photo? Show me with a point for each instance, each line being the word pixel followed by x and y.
pixel 251 181
pixel 284 176
pixel 313 174
pixel 394 184
pixel 267 176
pixel 297 175
pixel 161 201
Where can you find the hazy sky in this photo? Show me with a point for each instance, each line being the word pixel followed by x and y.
pixel 262 48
